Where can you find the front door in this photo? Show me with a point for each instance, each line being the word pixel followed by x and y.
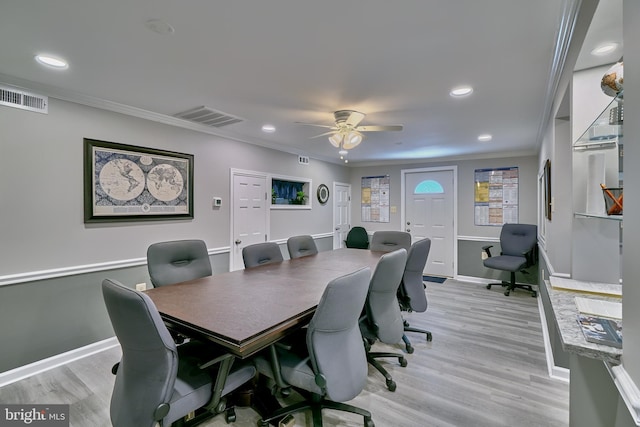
pixel 341 213
pixel 249 214
pixel 429 212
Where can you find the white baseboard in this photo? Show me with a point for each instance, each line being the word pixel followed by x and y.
pixel 34 368
pixel 627 389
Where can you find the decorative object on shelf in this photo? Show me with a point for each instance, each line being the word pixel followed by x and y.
pixel 616 115
pixel 300 198
pixel 322 193
pixel 613 80
pixel 613 199
pixel 130 183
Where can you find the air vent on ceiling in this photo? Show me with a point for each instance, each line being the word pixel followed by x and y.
pixel 12 97
pixel 209 117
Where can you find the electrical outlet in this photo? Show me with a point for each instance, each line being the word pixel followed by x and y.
pixel 141 286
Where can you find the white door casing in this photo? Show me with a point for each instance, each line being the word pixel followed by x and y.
pixel 430 211
pixel 341 213
pixel 249 213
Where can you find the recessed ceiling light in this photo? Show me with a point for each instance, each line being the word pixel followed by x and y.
pixel 461 91
pixel 485 137
pixel 268 128
pixel 52 62
pixel 604 49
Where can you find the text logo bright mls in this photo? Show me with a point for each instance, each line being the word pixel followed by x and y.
pixel 34 415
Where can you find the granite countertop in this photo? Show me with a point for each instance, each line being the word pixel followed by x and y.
pixel 565 312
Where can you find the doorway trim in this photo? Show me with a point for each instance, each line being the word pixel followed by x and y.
pixel 454 170
pixel 333 207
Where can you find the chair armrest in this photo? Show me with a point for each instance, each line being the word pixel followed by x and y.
pixel 530 256
pixel 487 250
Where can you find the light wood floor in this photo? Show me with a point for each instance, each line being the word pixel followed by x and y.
pixel 485 367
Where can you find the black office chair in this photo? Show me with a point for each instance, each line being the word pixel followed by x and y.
pixel 300 246
pixel 357 238
pixel 411 293
pixel 158 383
pixel 388 241
pixel 177 261
pixel 382 319
pixel 518 243
pixel 329 361
pixel 261 254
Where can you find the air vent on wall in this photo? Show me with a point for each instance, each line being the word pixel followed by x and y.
pixel 209 117
pixel 12 97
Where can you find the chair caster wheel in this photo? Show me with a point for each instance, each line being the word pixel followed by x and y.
pixel 262 423
pixel 534 294
pixel 410 349
pixel 391 385
pixel 488 286
pixel 405 323
pixel 369 423
pixel 506 293
pixel 230 416
pixel 403 361
pixel 429 337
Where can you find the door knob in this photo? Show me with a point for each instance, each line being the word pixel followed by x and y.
pixel 238 241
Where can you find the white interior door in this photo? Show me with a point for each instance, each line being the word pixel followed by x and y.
pixel 429 212
pixel 341 213
pixel 249 214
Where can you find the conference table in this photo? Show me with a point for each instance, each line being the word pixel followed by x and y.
pixel 245 311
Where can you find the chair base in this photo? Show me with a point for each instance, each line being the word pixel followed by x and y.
pixel 316 404
pixel 512 285
pixel 371 358
pixel 405 339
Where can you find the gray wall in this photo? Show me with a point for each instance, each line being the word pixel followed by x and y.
pixel 469 252
pixel 42 228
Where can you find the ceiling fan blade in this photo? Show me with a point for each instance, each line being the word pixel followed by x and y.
pixel 313 124
pixel 354 118
pixel 378 128
pixel 324 134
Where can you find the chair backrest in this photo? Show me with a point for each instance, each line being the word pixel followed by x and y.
pixel 299 246
pixel 177 261
pixel 261 254
pixel 333 337
pixel 382 308
pixel 412 286
pixel 516 239
pixel 388 241
pixel 357 238
pixel 149 366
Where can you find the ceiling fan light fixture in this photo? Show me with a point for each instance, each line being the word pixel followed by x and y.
pixel 335 139
pixel 343 152
pixel 352 140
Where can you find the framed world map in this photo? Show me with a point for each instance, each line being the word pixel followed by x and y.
pixel 130 183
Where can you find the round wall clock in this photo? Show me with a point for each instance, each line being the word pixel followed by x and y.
pixel 323 193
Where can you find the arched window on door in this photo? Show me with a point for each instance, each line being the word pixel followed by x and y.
pixel 429 186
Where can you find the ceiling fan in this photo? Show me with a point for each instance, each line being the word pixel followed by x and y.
pixel 346 133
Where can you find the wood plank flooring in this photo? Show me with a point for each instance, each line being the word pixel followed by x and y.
pixel 485 367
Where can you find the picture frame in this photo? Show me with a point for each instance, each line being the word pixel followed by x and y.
pixel 548 207
pixel 322 194
pixel 130 183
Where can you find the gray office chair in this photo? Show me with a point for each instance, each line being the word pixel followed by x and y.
pixel 157 383
pixel 411 293
pixel 518 243
pixel 388 241
pixel 332 366
pixel 382 319
pixel 299 246
pixel 261 254
pixel 177 261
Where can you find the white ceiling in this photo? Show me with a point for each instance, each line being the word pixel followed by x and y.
pixel 286 61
